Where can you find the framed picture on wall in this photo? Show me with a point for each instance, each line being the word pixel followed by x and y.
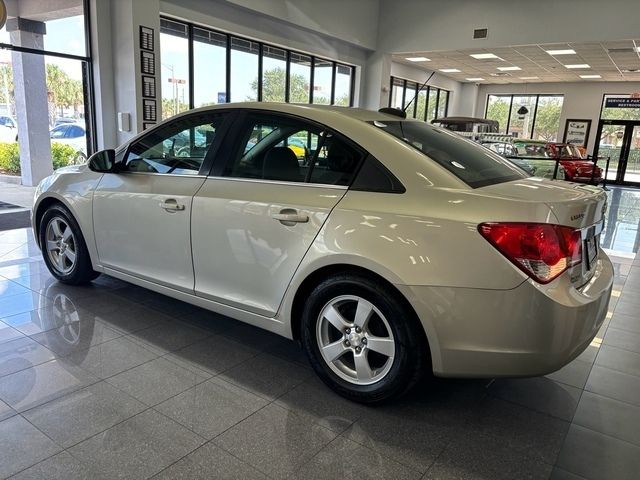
pixel 576 132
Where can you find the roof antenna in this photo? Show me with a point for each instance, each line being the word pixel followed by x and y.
pixel 418 92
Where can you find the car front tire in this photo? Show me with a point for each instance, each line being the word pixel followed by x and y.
pixel 63 247
pixel 362 340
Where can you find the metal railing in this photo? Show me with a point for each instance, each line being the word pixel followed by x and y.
pixel 552 167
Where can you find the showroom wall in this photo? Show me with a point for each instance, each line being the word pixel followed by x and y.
pixel 582 100
pixel 428 25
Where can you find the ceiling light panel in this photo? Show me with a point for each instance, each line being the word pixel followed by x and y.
pixel 578 66
pixel 417 59
pixel 450 70
pixel 590 76
pixel 475 79
pixel 484 56
pixel 568 51
pixel 509 69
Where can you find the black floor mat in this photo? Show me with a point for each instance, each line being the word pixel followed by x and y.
pixel 10 221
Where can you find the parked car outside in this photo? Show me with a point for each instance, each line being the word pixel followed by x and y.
pixel 8 129
pixel 74 135
pixel 405 249
pixel 576 168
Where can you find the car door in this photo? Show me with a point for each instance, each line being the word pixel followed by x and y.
pixel 255 217
pixel 142 213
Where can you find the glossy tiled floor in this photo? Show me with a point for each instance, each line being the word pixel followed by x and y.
pixel 113 381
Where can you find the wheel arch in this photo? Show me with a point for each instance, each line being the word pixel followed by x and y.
pixel 51 199
pixel 316 276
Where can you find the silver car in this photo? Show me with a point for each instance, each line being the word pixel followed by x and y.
pixel 389 248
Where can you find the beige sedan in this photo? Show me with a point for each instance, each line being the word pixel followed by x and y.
pixel 389 249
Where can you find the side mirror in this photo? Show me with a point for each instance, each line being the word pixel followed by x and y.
pixel 102 161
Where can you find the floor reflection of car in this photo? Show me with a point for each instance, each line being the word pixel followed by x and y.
pixel 576 167
pixel 74 135
pixel 395 248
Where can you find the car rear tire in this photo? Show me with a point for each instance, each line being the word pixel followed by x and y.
pixel 63 247
pixel 362 340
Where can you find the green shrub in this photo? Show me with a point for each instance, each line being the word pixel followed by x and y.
pixel 61 155
pixel 9 158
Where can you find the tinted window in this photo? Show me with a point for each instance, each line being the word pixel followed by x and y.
pixel 275 147
pixel 375 177
pixel 178 148
pixel 469 161
pixel 75 132
pixel 59 132
pixel 335 162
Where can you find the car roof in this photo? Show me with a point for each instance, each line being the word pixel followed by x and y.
pixel 304 110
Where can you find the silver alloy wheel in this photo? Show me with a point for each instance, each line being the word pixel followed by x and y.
pixel 61 245
pixel 346 343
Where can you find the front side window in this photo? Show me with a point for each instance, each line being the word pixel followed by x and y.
pixel 285 149
pixel 470 162
pixel 178 148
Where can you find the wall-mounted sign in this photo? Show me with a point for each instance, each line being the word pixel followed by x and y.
pixel 148 63
pixel 576 132
pixel 622 102
pixel 149 110
pixel 148 87
pixel 146 38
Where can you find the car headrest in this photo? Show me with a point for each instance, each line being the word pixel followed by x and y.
pixel 280 163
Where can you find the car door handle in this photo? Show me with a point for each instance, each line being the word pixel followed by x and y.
pixel 172 205
pixel 290 217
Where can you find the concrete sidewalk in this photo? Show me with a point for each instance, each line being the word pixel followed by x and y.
pixel 17 194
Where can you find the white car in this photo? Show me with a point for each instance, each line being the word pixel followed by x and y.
pixel 74 135
pixel 8 129
pixel 393 248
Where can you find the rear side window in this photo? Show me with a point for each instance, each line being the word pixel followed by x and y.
pixel 469 161
pixel 287 149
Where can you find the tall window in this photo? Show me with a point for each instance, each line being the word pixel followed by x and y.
pixel 426 104
pixel 322 81
pixel 45 68
pixel 174 45
pixel 527 116
pixel 274 74
pixel 343 91
pixel 299 78
pixel 244 70
pixel 228 68
pixel 210 78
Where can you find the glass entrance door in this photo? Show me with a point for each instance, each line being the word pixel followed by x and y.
pixel 620 142
pixel 631 173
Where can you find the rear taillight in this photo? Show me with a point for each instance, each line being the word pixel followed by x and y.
pixel 543 251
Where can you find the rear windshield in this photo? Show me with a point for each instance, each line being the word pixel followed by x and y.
pixel 470 162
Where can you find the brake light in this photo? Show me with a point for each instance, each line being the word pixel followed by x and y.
pixel 541 250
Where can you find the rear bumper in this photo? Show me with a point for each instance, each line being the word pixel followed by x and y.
pixel 526 331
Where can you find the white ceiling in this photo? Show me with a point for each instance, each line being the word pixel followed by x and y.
pixel 611 60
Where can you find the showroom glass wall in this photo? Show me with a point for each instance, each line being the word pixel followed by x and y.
pixel 431 102
pixel 541 122
pixel 45 66
pixel 202 67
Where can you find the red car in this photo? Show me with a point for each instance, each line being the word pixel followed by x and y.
pixel 576 167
